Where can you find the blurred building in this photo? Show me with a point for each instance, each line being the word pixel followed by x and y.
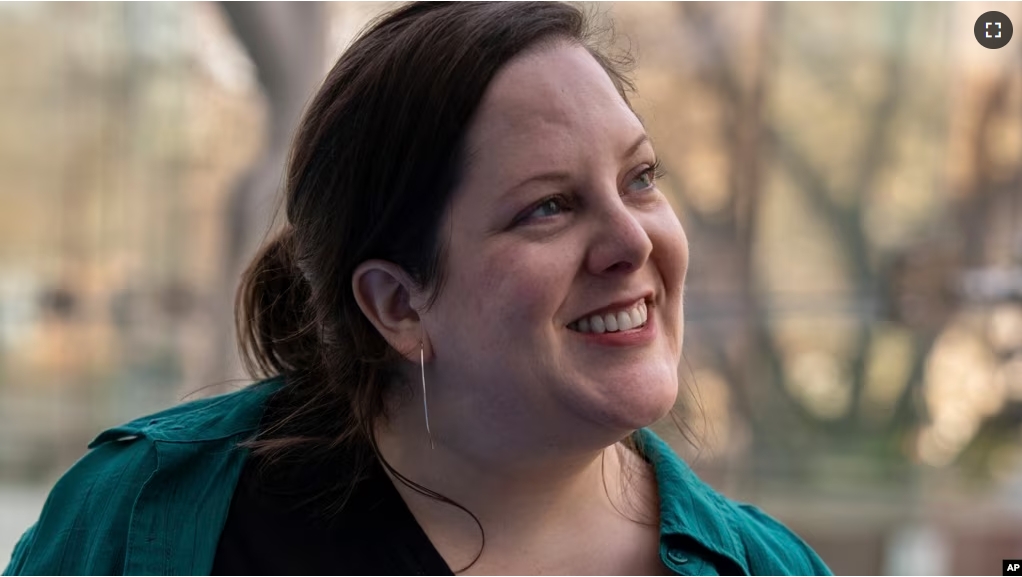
pixel 124 132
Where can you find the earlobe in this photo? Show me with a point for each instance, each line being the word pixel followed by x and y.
pixel 385 292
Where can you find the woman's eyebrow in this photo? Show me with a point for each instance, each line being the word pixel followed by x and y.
pixel 642 139
pixel 559 177
pixel 556 177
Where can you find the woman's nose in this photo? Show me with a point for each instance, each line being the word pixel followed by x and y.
pixel 619 243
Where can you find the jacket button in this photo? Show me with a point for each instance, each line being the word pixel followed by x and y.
pixel 677 557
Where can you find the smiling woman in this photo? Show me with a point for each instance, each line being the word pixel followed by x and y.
pixel 472 313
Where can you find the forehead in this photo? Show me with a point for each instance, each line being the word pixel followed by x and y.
pixel 547 103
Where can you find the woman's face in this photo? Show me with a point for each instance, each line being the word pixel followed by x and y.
pixel 556 226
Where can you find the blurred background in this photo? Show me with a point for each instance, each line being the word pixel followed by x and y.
pixel 849 176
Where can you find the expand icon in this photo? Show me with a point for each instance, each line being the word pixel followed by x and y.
pixel 993 30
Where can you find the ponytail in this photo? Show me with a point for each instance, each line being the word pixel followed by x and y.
pixel 274 323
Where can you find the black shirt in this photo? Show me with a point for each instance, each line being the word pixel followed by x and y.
pixel 277 526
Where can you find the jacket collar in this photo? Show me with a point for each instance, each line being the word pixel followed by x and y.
pixel 697 525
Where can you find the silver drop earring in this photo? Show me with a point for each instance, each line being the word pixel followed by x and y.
pixel 425 407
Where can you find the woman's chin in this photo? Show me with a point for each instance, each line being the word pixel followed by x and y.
pixel 645 414
pixel 636 406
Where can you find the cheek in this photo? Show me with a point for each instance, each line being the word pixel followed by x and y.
pixel 512 288
pixel 670 248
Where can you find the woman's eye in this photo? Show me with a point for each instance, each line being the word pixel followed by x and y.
pixel 646 179
pixel 549 207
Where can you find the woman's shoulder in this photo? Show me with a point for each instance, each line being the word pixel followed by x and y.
pixel 696 519
pixel 199 420
pixel 154 469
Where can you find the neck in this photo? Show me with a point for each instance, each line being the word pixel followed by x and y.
pixel 519 498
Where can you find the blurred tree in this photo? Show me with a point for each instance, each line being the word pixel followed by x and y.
pixel 286 42
pixel 791 108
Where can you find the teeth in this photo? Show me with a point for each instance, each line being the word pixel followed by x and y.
pixel 624 321
pixel 613 322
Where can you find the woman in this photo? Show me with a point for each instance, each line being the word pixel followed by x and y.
pixel 474 309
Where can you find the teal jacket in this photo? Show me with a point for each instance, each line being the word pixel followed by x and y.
pixel 151 498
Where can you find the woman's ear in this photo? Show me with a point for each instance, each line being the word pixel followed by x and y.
pixel 385 294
